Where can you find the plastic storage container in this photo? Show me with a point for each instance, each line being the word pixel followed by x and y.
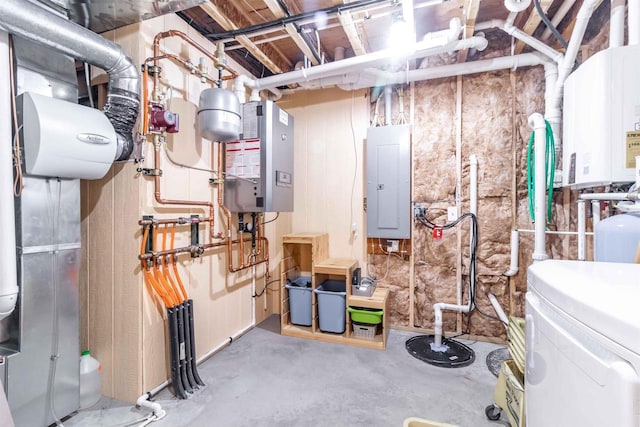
pixel 332 304
pixel 90 380
pixel 366 315
pixel 617 238
pixel 300 300
pixel 364 330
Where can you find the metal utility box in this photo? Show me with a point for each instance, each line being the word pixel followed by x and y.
pixel 259 167
pixel 389 182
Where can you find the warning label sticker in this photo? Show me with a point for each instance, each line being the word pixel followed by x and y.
pixel 243 159
pixel 633 148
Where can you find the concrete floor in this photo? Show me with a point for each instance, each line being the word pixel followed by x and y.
pixel 266 379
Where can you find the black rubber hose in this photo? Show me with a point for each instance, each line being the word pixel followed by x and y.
pixel 187 346
pixel 550 25
pixel 182 351
pixel 194 365
pixel 174 347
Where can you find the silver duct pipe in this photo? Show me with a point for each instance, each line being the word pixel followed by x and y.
pixel 34 23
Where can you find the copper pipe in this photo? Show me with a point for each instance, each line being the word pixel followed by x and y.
pixel 159 199
pixel 176 221
pixel 183 36
pixel 194 249
pixel 230 241
pixel 186 64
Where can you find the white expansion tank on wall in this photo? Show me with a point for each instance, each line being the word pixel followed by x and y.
pixel 601 132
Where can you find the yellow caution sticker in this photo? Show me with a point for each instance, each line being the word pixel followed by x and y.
pixel 633 148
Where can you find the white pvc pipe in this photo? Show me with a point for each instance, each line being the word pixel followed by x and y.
pixel 499 311
pixel 604 196
pixel 443 37
pixel 562 11
pixel 536 121
pixel 616 23
pixel 363 61
pixel 144 402
pixel 581 229
pixel 552 111
pixel 513 264
pixel 8 275
pixel 533 42
pixel 438 308
pixel 584 14
pixel 554 232
pixel 634 22
pixel 595 209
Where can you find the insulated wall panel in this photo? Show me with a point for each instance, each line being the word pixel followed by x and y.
pixel 388 182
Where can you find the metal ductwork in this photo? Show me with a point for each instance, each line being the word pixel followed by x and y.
pixel 34 23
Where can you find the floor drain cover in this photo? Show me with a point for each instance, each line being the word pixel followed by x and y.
pixel 452 354
pixel 495 359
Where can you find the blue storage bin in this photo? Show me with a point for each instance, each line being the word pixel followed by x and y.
pixel 332 305
pixel 300 300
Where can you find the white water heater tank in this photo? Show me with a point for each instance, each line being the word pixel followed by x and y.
pixel 601 130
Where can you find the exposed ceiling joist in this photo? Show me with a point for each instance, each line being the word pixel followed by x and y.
pixel 568 31
pixel 349 27
pixel 532 23
pixel 297 38
pixel 470 12
pixel 229 19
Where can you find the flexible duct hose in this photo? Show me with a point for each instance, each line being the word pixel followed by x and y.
pixel 550 166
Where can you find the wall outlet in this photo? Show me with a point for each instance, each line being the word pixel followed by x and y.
pixel 452 213
pixel 393 245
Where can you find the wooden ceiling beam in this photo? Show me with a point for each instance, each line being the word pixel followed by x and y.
pixel 532 23
pixel 470 14
pixel 228 18
pixel 297 38
pixel 349 27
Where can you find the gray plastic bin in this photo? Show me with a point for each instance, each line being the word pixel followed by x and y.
pixel 300 300
pixel 332 304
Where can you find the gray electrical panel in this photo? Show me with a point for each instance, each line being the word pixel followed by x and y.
pixel 389 182
pixel 259 167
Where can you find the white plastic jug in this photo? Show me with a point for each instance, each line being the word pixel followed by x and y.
pixel 90 380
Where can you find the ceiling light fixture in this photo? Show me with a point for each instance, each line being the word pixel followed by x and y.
pixel 402 34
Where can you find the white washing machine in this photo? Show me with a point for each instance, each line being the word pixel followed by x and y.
pixel 583 344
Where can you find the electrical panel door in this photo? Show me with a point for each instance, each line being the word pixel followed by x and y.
pixel 389 182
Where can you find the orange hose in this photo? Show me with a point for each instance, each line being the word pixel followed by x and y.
pixel 149 277
pixel 165 271
pixel 161 276
pixel 161 280
pixel 174 266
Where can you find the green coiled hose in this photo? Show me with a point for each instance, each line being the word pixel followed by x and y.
pixel 550 166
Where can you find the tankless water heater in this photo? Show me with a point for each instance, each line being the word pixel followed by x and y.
pixel 259 166
pixel 601 130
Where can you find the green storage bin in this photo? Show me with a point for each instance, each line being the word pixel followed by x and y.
pixel 366 315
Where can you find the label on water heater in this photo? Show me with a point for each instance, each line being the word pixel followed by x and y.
pixel 243 159
pixel 633 148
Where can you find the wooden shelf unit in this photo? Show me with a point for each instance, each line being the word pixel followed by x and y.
pixel 306 254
